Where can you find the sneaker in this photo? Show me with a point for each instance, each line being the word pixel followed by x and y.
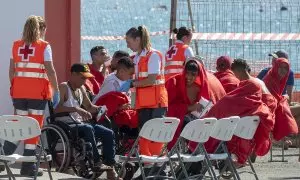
pixel 112 174
pixel 99 166
pixel 29 170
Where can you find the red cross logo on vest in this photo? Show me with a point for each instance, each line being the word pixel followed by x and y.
pixel 25 52
pixel 172 51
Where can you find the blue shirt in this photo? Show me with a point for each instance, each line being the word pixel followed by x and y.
pixel 289 82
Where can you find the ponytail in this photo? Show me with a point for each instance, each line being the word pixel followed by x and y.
pixel 143 34
pixel 181 32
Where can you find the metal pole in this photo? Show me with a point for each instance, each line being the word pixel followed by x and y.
pixel 192 24
pixel 172 20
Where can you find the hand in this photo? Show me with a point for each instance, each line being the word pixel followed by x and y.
pixel 84 114
pixel 55 99
pixel 195 107
pixel 126 86
pixel 125 107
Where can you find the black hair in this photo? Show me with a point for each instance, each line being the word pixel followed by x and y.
pixel 191 66
pixel 240 65
pixel 181 32
pixel 125 62
pixel 96 49
pixel 119 54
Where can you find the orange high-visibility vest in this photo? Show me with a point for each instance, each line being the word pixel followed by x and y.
pixel 175 59
pixel 151 96
pixel 30 80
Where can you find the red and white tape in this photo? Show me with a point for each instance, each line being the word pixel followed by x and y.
pixel 215 36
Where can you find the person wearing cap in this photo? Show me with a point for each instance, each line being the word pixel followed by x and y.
pixel 288 90
pixel 228 80
pixel 99 56
pixel 72 98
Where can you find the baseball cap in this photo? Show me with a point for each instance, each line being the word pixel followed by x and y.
pixel 279 54
pixel 82 68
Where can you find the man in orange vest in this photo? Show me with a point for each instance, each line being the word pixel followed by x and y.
pixel 179 52
pixel 32 75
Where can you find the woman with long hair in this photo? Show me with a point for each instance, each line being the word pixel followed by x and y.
pixel 33 81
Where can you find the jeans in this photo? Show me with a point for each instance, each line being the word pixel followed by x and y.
pixel 91 132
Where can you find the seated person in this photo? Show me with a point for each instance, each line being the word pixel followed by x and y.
pixel 73 96
pixel 225 75
pixel 242 71
pixel 115 59
pixel 288 89
pixel 113 82
pixel 275 80
pixel 192 84
pixel 245 100
pixel 99 56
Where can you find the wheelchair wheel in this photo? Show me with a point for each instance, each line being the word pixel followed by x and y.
pixel 128 172
pixel 58 146
pixel 82 161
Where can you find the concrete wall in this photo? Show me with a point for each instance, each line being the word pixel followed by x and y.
pixel 13 14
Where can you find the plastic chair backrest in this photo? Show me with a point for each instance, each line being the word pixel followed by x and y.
pixel 199 130
pixel 17 128
pixel 247 126
pixel 224 128
pixel 160 129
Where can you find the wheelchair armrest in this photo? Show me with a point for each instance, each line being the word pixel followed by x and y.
pixel 62 114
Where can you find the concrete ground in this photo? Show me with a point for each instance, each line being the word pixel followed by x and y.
pixel 266 170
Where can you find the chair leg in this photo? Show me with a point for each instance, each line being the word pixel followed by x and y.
pixel 182 166
pixel 236 174
pixel 9 172
pixel 210 167
pixel 48 166
pixel 252 168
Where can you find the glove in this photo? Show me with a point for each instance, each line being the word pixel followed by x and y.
pixel 56 99
pixel 126 86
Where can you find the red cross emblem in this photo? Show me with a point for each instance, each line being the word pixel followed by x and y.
pixel 171 52
pixel 25 52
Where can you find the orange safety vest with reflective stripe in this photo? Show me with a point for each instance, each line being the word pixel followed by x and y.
pixel 175 59
pixel 153 96
pixel 30 80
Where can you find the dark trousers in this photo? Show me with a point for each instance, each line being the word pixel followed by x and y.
pixel 91 132
pixel 146 114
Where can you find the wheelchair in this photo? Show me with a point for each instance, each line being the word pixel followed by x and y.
pixel 67 149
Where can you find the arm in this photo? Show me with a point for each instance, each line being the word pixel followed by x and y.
pixel 188 53
pixel 50 68
pixel 11 70
pixel 87 104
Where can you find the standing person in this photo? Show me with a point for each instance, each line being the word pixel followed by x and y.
pixel 99 56
pixel 179 52
pixel 31 66
pixel 288 88
pixel 151 94
pixel 225 75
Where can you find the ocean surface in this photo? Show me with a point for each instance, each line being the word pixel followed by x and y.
pixel 115 17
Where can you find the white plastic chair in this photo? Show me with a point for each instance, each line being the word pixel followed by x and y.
pixel 223 131
pixel 246 129
pixel 19 128
pixel 157 130
pixel 199 131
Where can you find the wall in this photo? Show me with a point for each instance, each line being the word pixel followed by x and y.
pixel 13 14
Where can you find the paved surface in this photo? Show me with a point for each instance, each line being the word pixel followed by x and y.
pixel 266 170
